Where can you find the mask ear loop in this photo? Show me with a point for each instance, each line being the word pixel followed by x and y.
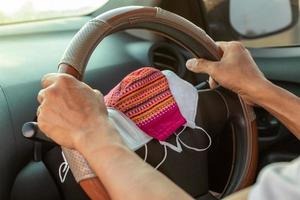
pixel 194 148
pixel 63 168
pixel 178 148
pixel 164 159
pixel 146 153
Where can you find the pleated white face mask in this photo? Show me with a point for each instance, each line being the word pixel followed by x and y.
pixel 186 97
pixel 132 135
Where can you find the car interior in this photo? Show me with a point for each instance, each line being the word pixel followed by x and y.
pixel 244 139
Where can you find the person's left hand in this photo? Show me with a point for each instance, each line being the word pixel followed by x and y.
pixel 72 113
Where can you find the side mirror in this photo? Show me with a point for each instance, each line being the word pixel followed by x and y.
pixel 258 18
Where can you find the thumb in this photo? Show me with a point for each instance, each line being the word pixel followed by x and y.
pixel 201 65
pixel 212 83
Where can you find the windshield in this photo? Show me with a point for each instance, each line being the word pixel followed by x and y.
pixel 15 11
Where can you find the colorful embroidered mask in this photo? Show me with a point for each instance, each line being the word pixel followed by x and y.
pixel 144 96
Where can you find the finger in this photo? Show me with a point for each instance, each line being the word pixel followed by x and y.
pixel 201 65
pixel 52 78
pixel 49 79
pixel 230 46
pixel 222 44
pixel 41 96
pixel 212 83
pixel 41 126
pixel 38 111
pixel 97 92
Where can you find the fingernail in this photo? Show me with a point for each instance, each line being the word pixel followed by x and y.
pixel 191 63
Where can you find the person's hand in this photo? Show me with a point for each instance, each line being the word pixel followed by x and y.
pixel 72 113
pixel 236 70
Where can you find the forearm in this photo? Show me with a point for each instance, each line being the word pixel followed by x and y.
pixel 240 195
pixel 284 105
pixel 125 175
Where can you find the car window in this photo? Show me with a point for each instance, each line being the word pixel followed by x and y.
pixel 16 11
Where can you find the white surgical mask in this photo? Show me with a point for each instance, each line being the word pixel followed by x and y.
pixel 132 135
pixel 186 97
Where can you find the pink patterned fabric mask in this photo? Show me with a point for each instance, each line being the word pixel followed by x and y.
pixel 144 97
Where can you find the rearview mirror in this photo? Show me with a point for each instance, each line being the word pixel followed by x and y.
pixel 257 18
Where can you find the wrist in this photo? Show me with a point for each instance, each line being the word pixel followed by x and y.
pixel 101 134
pixel 260 91
pixel 106 153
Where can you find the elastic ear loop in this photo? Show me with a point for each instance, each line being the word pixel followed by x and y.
pixel 146 153
pixel 179 149
pixel 194 148
pixel 166 144
pixel 64 170
pixel 165 157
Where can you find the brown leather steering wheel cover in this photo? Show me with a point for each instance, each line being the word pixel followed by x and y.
pixel 75 60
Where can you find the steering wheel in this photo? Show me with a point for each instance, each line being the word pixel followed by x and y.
pixel 218 106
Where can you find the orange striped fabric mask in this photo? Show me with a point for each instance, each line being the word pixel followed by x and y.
pixel 144 97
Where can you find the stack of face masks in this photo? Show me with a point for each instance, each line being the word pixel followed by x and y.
pixel 149 104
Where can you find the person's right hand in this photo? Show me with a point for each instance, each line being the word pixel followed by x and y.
pixel 236 70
